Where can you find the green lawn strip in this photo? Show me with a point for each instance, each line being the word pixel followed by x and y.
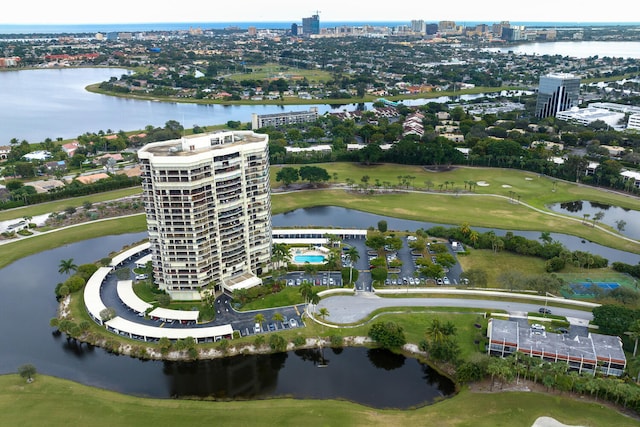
pixel 289 295
pixel 59 402
pixel 61 205
pixel 477 211
pixel 21 248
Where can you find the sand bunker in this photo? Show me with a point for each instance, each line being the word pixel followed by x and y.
pixel 549 422
pixel 528 179
pixel 482 183
pixel 506 186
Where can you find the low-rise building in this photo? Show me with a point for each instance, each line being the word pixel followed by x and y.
pixel 591 353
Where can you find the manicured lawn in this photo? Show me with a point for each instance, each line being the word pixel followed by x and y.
pixel 289 295
pixel 15 250
pixel 275 71
pixel 60 205
pixel 55 402
pixel 493 263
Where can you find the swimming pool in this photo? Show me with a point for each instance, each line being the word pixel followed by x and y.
pixel 311 259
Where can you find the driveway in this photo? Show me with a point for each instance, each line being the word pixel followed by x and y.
pixel 351 309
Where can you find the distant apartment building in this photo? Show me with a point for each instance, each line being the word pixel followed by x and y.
pixel 311 25
pixel 447 26
pixel 557 92
pixel 634 122
pixel 418 26
pixel 208 207
pixel 282 119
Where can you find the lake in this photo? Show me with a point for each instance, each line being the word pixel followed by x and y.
pixel 612 214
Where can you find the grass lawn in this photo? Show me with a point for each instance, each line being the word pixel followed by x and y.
pixel 494 263
pixel 289 295
pixel 60 205
pixel 56 402
pixel 19 249
pixel 276 71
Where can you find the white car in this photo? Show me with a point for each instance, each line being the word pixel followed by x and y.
pixel 141 277
pixel 445 280
pixel 257 329
pixel 293 323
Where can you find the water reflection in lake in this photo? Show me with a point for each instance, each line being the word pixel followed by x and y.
pixel 611 215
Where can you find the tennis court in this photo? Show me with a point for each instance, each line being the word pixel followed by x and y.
pixel 584 289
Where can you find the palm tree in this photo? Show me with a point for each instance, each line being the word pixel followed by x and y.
pixel 305 290
pixel 353 256
pixel 323 312
pixel 314 299
pixel 435 331
pixel 66 266
pixel 634 333
pixel 280 253
pixel 474 236
pixel 259 318
pixel 277 317
pixel 332 261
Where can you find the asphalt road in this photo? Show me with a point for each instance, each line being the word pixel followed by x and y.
pixel 351 309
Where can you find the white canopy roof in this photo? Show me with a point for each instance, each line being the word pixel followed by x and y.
pixel 147 331
pixel 129 253
pixel 92 298
pixel 129 297
pixel 166 313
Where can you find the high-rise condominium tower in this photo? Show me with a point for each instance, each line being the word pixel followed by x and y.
pixel 557 92
pixel 208 206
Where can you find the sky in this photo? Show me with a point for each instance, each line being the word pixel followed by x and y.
pixel 143 11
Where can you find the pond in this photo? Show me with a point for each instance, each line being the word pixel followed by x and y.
pixel 612 215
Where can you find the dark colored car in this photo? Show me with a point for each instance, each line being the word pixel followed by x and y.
pixel 544 310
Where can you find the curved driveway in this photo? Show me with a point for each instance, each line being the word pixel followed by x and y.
pixel 351 309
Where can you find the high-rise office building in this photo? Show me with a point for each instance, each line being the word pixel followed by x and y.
pixel 208 207
pixel 557 92
pixel 311 25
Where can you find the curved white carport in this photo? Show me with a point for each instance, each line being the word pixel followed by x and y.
pixel 135 330
pixel 180 315
pixel 129 297
pixel 92 299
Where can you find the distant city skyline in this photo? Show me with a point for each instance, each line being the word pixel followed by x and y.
pixel 145 11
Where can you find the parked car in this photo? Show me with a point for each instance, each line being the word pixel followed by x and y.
pixel 563 330
pixel 544 310
pixel 439 281
pixel 331 282
pixel 293 323
pixel 445 280
pixel 257 329
pixel 141 277
pixel 272 327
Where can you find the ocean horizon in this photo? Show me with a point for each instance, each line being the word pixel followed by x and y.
pixel 177 26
